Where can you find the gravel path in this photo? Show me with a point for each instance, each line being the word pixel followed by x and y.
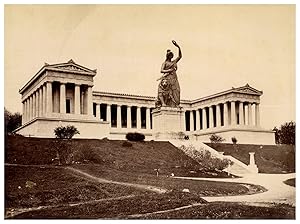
pixel 278 192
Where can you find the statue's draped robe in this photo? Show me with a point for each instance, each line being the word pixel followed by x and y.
pixel 172 79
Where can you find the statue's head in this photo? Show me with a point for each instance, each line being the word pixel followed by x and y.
pixel 170 54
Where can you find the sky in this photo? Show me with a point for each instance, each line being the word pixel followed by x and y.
pixel 223 46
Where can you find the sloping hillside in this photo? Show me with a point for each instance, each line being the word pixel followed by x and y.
pixel 141 157
pixel 269 158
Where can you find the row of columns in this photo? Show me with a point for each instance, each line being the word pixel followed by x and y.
pixel 40 102
pixel 128 117
pixel 245 113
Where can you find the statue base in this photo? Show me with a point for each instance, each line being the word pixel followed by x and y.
pixel 168 122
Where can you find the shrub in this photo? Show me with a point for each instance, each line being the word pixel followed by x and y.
pixel 65 132
pixel 127 144
pixel 216 138
pixel 136 137
pixel 205 158
pixel 234 140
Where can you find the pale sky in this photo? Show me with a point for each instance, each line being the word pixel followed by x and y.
pixel 223 46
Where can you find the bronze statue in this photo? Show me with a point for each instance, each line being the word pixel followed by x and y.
pixel 168 88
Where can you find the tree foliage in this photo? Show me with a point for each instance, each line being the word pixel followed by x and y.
pixel 286 133
pixel 216 138
pixel 65 132
pixel 12 121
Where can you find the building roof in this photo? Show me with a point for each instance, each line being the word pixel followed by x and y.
pixel 69 66
pixel 247 89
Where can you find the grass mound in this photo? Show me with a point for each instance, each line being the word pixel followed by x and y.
pixel 268 158
pixel 141 157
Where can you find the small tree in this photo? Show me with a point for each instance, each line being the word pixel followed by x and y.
pixel 12 121
pixel 62 144
pixel 286 133
pixel 66 132
pixel 216 138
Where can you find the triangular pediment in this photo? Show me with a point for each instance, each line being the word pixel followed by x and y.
pixel 71 66
pixel 247 89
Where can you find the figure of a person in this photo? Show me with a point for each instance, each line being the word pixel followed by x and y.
pixel 169 76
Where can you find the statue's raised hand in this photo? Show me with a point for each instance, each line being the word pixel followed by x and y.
pixel 174 42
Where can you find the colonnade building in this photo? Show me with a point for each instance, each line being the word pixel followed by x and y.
pixel 62 94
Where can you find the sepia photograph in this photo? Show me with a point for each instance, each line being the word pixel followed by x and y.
pixel 149 111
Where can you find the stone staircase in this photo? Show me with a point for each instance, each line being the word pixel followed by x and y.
pixel 238 168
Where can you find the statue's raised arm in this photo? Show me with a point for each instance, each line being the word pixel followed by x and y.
pixel 179 51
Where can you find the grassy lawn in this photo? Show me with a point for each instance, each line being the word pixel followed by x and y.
pixel 291 182
pixel 269 158
pixel 148 202
pixel 58 187
pixel 227 210
pixel 33 186
pixel 201 188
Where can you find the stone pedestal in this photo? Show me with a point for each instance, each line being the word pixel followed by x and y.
pixel 167 122
pixel 252 166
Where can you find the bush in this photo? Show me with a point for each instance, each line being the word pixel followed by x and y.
pixel 216 138
pixel 135 137
pixel 205 158
pixel 234 140
pixel 127 144
pixel 65 132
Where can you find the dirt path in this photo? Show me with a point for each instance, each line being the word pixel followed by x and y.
pixel 163 211
pixel 101 180
pixel 278 192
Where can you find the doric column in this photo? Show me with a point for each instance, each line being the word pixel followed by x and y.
pixel 138 118
pixel 23 112
pixel 148 114
pixel 204 117
pixel 49 98
pixel 77 99
pixel 119 117
pixel 225 115
pixel 233 113
pixel 89 101
pixel 250 114
pixel 44 100
pixel 62 98
pixel 33 105
pixel 31 109
pixel 246 114
pixel 128 116
pixel 241 113
pixel 218 114
pixel 257 115
pixel 183 121
pixel 98 111
pixel 197 119
pixel 108 113
pixel 41 101
pixel 37 103
pixel 191 120
pixel 211 117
